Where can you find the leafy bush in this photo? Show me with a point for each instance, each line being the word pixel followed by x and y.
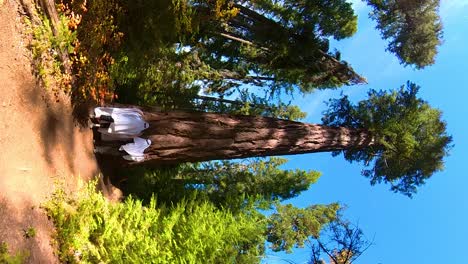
pixel 7 258
pixel 144 182
pixel 49 48
pixel 98 37
pixel 30 232
pixel 92 230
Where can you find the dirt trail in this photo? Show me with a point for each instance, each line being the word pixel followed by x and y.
pixel 39 143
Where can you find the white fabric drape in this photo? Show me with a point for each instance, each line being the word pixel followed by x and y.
pixel 128 123
pixel 136 149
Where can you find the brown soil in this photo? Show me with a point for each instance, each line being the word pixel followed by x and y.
pixel 40 143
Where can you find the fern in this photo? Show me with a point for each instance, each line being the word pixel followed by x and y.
pixel 92 230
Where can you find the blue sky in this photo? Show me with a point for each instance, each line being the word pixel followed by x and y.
pixel 431 227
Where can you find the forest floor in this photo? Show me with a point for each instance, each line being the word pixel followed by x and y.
pixel 40 144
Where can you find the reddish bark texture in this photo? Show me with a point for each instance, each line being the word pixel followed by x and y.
pixel 190 137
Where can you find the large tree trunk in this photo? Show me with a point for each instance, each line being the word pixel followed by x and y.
pixel 191 137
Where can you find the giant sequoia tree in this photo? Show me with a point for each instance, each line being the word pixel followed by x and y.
pixel 398 135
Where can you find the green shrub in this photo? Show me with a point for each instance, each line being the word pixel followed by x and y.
pixel 143 182
pixel 7 258
pixel 29 233
pixel 47 49
pixel 92 230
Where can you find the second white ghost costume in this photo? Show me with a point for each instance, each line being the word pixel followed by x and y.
pixel 136 149
pixel 128 123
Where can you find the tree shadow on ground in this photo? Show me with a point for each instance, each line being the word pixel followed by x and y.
pixel 62 137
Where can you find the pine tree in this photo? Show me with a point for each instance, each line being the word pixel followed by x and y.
pixel 413 28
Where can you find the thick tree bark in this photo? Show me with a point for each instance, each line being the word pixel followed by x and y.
pixel 191 137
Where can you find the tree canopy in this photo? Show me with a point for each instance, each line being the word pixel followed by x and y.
pixel 227 184
pixel 224 44
pixel 290 226
pixel 230 184
pixel 413 28
pixel 279 44
pixel 410 137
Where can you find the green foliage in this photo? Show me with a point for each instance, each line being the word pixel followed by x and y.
pixel 230 184
pixel 328 18
pixel 48 47
pixel 92 230
pixel 164 79
pixel 7 258
pixel 162 53
pixel 30 232
pixel 249 104
pixel 149 24
pixel 410 137
pixel 290 227
pixel 279 45
pixel 151 67
pixel 413 28
pixel 98 35
pixel 145 182
pixel 151 58
pixel 227 184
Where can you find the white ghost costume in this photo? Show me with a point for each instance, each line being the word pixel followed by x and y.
pixel 136 149
pixel 128 123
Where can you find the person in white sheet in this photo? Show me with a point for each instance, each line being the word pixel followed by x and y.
pixel 133 151
pixel 136 149
pixel 118 123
